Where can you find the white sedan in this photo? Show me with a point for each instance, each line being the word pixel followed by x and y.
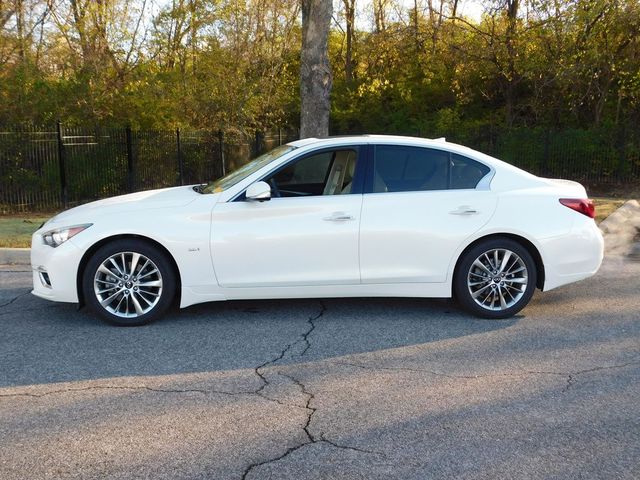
pixel 362 216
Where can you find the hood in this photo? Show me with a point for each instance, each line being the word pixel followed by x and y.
pixel 149 199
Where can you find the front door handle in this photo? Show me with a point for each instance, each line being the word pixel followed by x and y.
pixel 464 210
pixel 339 217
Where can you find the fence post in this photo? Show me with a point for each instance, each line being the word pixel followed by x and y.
pixel 279 135
pixel 129 158
pixel 258 145
pixel 61 166
pixel 221 147
pixel 621 147
pixel 180 166
pixel 544 168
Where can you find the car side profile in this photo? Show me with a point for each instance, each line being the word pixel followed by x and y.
pixel 361 216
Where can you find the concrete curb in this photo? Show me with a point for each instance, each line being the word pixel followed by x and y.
pixel 15 256
pixel 620 230
pixel 626 215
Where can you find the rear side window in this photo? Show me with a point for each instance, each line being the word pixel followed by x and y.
pixel 466 173
pixel 409 169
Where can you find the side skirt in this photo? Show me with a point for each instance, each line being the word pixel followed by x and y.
pixel 193 295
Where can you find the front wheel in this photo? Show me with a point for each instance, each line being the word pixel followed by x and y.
pixel 495 279
pixel 129 283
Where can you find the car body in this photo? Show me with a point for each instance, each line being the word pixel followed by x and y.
pixel 341 217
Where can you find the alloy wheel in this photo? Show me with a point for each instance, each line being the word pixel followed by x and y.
pixel 128 284
pixel 497 279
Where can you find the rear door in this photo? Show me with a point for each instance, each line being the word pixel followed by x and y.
pixel 422 204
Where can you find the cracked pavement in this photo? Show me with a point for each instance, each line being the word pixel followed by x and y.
pixel 337 388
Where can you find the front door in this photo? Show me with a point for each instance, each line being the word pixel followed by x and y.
pixel 307 234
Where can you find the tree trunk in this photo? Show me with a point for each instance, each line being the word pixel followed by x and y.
pixel 20 27
pixel 511 35
pixel 379 12
pixel 454 10
pixel 350 20
pixel 315 72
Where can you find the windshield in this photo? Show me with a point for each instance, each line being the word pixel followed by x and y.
pixel 243 172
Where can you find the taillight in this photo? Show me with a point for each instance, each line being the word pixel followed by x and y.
pixel 582 205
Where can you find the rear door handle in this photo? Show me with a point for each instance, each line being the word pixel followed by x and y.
pixel 339 217
pixel 464 210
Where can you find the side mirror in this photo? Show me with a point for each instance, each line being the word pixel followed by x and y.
pixel 259 191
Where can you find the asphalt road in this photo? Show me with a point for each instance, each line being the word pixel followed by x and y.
pixel 348 389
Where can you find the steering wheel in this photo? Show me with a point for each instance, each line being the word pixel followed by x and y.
pixel 274 188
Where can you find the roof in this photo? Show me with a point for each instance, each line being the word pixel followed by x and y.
pixel 440 143
pixel 359 138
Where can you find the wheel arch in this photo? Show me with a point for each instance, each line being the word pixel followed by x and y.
pixel 94 248
pixel 526 243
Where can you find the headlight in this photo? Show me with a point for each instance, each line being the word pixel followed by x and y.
pixel 55 238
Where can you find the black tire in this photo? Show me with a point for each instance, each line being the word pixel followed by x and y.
pixel 157 303
pixel 467 273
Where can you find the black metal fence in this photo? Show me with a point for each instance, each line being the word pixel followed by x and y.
pixel 49 169
pixel 597 157
pixel 601 157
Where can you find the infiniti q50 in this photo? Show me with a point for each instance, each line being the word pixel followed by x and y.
pixel 361 216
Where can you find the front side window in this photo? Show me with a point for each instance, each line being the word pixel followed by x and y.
pixel 399 168
pixel 326 173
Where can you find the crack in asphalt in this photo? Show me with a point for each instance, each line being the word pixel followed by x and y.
pixel 36 309
pixel 15 298
pixel 569 383
pixel 107 387
pixel 347 447
pixel 287 452
pixel 150 389
pixel 304 337
pixel 311 322
pixel 569 375
pixel 311 410
pixel 311 438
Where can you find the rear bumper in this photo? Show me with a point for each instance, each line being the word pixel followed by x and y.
pixel 55 270
pixel 573 257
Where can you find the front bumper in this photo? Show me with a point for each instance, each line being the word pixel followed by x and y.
pixel 55 270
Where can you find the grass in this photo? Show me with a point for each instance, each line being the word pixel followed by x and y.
pixel 606 206
pixel 16 230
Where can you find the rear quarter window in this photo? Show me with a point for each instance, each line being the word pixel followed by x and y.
pixel 465 173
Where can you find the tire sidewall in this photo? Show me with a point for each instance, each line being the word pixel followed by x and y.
pixel 461 291
pixel 130 245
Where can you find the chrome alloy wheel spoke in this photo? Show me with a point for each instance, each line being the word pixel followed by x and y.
pixel 128 284
pixel 497 279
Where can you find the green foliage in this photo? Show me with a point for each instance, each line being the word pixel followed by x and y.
pixel 495 82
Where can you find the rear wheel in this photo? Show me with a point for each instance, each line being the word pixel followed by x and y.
pixel 129 282
pixel 495 279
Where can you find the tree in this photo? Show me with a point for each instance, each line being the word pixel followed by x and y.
pixel 350 20
pixel 315 71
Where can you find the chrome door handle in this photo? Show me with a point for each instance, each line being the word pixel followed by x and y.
pixel 339 217
pixel 464 210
